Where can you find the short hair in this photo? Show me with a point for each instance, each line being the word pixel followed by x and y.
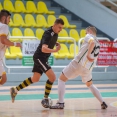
pixel 92 28
pixel 4 12
pixel 59 21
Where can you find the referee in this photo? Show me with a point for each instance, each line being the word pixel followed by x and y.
pixel 40 57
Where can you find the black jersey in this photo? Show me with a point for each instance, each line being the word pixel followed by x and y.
pixel 49 38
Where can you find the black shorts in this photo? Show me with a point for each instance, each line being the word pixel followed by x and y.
pixel 40 66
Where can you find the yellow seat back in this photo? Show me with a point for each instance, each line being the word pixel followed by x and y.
pixel 63 33
pixel 16 32
pixel 29 19
pixel 51 19
pixel 1 6
pixel 82 33
pixel 64 49
pixel 66 23
pixel 17 18
pixel 72 49
pixel 19 6
pixel 42 8
pixel 39 33
pixel 8 5
pixel 73 33
pixel 40 19
pixel 28 32
pixel 30 6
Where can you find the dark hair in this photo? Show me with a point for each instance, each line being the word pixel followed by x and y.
pixel 59 21
pixel 4 12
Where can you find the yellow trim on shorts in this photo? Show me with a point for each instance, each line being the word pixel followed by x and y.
pixel 90 40
pixel 86 62
pixel 3 35
pixel 3 73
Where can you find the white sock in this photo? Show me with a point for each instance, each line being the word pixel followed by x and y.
pixel 61 90
pixel 96 93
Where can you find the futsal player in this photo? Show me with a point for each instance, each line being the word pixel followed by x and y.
pixel 82 65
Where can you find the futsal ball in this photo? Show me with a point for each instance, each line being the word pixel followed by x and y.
pixel 46 103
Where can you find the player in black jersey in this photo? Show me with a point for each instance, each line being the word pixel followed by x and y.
pixel 41 55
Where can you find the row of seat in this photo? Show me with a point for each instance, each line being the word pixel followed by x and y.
pixel 39 32
pixel 19 7
pixel 15 52
pixel 39 21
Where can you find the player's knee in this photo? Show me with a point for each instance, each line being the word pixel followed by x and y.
pixel 88 84
pixel 52 79
pixel 35 79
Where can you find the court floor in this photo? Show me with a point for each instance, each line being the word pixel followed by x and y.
pixel 79 102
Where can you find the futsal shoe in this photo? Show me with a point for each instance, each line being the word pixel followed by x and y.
pixel 104 105
pixel 45 102
pixel 57 106
pixel 13 94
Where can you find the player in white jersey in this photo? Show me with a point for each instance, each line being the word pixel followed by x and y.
pixel 82 65
pixel 4 42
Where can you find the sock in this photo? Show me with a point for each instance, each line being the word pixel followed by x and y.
pixel 61 90
pixel 48 87
pixel 24 84
pixel 96 93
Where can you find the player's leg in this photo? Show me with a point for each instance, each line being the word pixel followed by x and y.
pixel 70 72
pixel 3 77
pixel 96 93
pixel 28 81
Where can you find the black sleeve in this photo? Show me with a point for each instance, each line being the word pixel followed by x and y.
pixel 46 38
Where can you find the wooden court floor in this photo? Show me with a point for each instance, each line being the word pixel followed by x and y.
pixel 80 105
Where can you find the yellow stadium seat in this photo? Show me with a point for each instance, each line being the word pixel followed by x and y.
pixel 63 52
pixel 66 23
pixel 11 24
pixel 41 21
pixel 30 21
pixel 28 32
pixel 8 6
pixel 16 51
pixel 39 33
pixel 51 19
pixel 1 6
pixel 16 32
pixel 73 33
pixel 82 33
pixel 42 8
pixel 8 55
pixel 63 33
pixel 17 19
pixel 19 6
pixel 30 6
pixel 71 50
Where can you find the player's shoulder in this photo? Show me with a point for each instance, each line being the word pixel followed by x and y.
pixel 3 26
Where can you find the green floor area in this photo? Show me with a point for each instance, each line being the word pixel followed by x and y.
pixel 55 96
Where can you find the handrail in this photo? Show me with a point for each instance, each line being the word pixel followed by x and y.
pixel 27 37
pixel 111 2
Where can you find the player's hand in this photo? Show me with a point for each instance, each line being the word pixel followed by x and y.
pixel 90 59
pixel 58 47
pixel 18 45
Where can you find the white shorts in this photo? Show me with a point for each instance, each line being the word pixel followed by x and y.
pixel 1 68
pixel 74 69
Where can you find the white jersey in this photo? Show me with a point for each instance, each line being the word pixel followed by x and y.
pixel 4 30
pixel 82 55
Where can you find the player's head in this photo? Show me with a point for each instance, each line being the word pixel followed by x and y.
pixel 58 25
pixel 5 16
pixel 91 30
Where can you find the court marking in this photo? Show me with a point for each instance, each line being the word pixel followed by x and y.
pixel 55 96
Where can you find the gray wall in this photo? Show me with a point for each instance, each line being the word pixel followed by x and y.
pixel 94 13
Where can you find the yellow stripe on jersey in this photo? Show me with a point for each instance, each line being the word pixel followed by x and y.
pixel 3 35
pixel 91 39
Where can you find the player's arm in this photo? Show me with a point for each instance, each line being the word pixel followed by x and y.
pixel 45 49
pixel 90 49
pixel 5 41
